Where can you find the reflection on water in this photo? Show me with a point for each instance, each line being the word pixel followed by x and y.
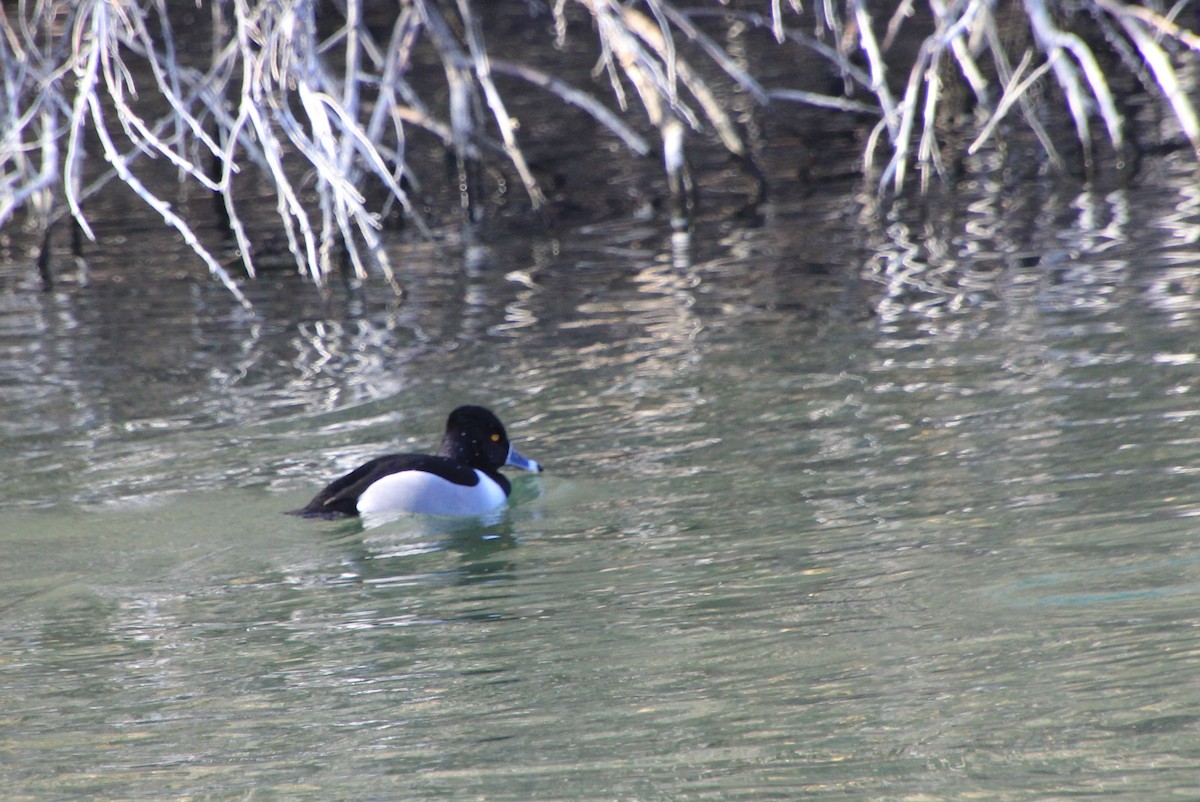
pixel 835 506
pixel 1082 242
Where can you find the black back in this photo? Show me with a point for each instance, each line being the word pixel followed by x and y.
pixel 341 496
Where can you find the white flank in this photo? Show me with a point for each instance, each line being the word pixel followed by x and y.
pixel 428 494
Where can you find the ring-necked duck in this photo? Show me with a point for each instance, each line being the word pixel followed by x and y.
pixel 463 478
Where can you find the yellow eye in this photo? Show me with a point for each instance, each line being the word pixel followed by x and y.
pixel 495 438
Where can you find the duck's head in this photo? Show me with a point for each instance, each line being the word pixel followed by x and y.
pixel 476 437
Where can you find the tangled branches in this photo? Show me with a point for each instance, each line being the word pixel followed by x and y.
pixel 295 82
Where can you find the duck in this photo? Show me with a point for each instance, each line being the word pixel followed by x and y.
pixel 462 478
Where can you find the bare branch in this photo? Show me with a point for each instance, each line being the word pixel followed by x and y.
pixel 325 122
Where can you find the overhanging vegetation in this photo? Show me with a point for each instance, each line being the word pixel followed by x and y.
pixel 330 86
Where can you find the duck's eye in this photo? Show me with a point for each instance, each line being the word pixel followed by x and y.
pixel 495 438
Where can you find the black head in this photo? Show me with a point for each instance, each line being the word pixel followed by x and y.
pixel 476 437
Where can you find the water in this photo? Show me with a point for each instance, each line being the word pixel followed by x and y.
pixel 835 507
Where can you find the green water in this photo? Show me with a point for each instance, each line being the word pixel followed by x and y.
pixel 819 520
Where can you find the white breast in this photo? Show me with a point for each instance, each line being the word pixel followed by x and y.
pixel 429 494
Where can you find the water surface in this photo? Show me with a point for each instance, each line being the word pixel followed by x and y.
pixel 838 506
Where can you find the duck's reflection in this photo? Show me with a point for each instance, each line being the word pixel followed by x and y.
pixel 394 553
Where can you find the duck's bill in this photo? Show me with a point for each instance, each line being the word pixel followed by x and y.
pixel 517 461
